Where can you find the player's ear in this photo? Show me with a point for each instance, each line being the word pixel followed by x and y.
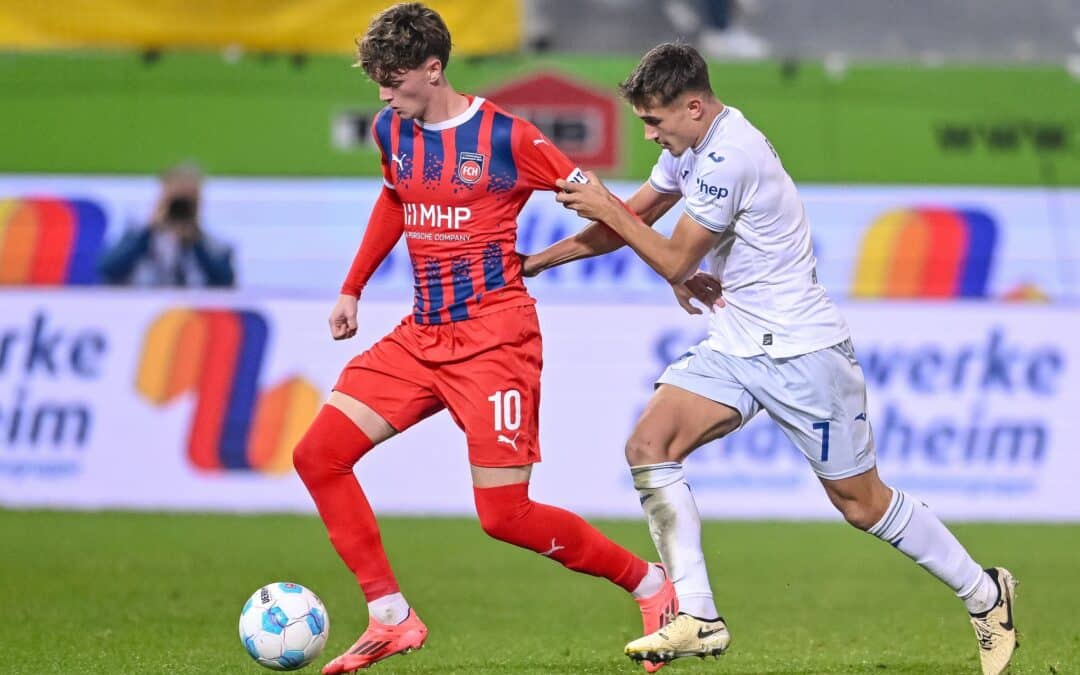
pixel 695 107
pixel 433 71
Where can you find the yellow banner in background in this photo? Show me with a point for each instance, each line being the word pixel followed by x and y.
pixel 477 26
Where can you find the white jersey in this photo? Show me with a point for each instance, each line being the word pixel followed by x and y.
pixel 734 184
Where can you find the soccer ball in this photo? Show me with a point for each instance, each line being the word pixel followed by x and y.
pixel 284 626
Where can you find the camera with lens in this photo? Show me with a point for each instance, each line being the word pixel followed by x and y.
pixel 180 209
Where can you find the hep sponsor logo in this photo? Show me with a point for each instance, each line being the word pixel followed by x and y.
pixel 470 167
pixel 927 253
pixel 711 190
pixel 436 216
pixel 46 241
pixel 217 355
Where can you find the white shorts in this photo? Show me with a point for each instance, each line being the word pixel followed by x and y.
pixel 818 399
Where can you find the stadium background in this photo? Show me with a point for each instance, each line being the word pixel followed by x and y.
pixel 937 149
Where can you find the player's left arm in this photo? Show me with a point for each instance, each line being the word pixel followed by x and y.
pixel 596 238
pixel 725 187
pixel 675 258
pixel 542 165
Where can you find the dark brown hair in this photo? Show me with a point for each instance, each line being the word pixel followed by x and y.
pixel 400 38
pixel 665 72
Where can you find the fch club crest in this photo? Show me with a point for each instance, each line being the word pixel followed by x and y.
pixel 470 167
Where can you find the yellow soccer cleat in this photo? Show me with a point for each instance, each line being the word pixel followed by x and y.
pixel 994 628
pixel 685 636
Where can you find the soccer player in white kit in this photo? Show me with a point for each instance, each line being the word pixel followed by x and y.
pixel 776 343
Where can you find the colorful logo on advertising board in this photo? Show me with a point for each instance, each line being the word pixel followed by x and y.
pixel 46 241
pixel 217 354
pixel 927 253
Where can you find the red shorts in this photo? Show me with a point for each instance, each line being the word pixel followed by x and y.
pixel 485 371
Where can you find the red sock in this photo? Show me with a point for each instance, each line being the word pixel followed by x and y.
pixel 324 458
pixel 506 513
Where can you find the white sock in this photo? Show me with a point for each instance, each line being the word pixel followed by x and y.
pixel 675 527
pixel 389 609
pixel 651 583
pixel 983 597
pixel 913 529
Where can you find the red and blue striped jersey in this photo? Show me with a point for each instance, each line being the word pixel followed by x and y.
pixel 461 184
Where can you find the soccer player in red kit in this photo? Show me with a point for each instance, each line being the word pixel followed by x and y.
pixel 456 172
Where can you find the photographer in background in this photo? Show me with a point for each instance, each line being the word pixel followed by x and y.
pixel 172 250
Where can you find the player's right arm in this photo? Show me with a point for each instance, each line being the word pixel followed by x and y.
pixel 385 227
pixel 596 238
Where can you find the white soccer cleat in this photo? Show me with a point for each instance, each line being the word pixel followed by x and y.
pixel 994 629
pixel 685 636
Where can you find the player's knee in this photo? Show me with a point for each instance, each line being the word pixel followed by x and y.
pixel 501 509
pixel 316 458
pixel 331 447
pixel 495 524
pixel 645 448
pixel 306 459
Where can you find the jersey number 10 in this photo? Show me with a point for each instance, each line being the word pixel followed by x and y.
pixel 507 409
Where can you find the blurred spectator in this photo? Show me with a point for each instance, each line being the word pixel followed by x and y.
pixel 536 25
pixel 720 27
pixel 172 250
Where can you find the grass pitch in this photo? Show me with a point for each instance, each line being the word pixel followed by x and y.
pixel 148 593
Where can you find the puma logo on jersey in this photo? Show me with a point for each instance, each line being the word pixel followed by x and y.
pixel 512 442
pixel 400 161
pixel 554 547
pixel 538 141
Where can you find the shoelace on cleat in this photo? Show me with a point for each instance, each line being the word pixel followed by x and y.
pixel 985 634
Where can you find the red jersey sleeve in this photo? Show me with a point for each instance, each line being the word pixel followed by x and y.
pixel 388 179
pixel 539 162
pixel 385 226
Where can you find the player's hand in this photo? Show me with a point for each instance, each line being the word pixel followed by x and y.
pixel 683 295
pixel 702 287
pixel 706 288
pixel 591 200
pixel 343 318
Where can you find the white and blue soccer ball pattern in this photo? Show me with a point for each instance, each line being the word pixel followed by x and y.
pixel 284 626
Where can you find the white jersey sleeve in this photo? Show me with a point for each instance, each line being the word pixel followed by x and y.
pixel 722 188
pixel 665 174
